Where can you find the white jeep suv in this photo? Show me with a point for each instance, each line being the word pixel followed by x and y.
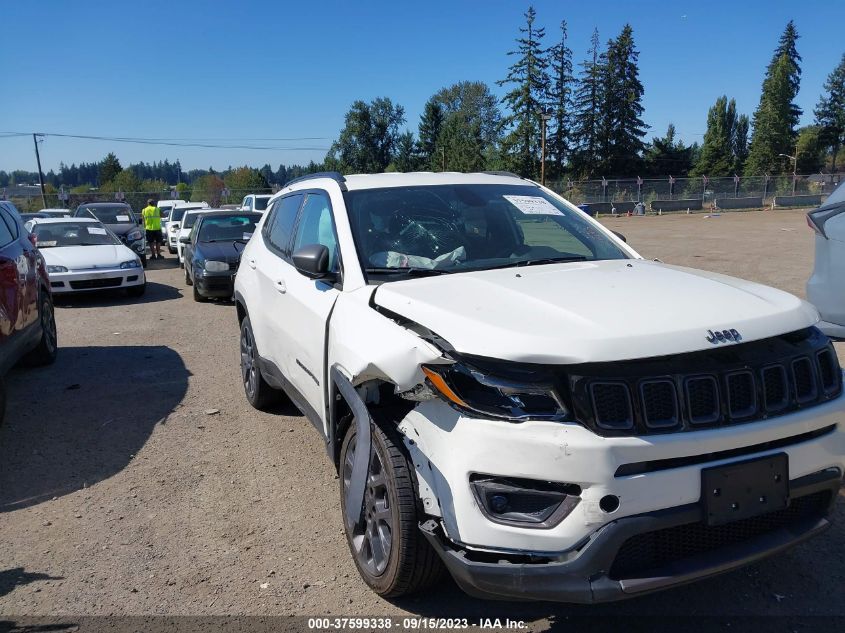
pixel 510 392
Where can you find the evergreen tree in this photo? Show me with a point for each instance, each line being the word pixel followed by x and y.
pixel 718 152
pixel 809 150
pixel 108 169
pixel 529 78
pixel 621 128
pixel 830 112
pixel 462 143
pixel 667 156
pixel 773 133
pixel 367 142
pixel 585 123
pixel 740 142
pixel 787 46
pixel 431 123
pixel 560 102
pixel 406 153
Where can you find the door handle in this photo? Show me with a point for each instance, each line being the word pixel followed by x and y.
pixel 280 286
pixel 251 263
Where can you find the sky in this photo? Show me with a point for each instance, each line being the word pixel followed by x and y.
pixel 264 69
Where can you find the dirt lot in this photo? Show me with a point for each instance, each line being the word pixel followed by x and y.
pixel 135 479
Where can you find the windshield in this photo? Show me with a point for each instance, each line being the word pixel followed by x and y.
pixel 452 228
pixel 190 220
pixel 57 234
pixel 261 203
pixel 112 214
pixel 228 228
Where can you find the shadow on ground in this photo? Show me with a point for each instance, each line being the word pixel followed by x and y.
pixel 18 577
pixel 104 298
pixel 82 419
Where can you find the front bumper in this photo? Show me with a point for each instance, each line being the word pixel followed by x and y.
pixel 216 285
pixel 139 247
pixel 101 279
pixel 591 572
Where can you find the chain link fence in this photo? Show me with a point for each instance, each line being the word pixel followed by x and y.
pixel 707 191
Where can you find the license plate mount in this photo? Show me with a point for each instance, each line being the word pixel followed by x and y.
pixel 742 490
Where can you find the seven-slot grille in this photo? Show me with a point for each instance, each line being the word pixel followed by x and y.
pixel 733 385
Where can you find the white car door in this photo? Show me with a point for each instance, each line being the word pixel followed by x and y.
pixel 306 304
pixel 271 261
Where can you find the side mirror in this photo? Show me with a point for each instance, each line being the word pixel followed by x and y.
pixel 620 236
pixel 139 220
pixel 312 261
pixel 185 239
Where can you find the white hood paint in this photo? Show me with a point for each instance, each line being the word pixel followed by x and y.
pixel 84 257
pixel 592 311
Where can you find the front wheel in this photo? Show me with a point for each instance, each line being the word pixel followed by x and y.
pixel 144 261
pixel 390 552
pixel 258 393
pixel 137 291
pixel 188 281
pixel 47 348
pixel 198 297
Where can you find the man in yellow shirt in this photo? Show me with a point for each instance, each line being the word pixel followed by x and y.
pixel 152 225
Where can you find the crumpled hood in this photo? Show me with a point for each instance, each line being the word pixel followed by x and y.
pixel 84 257
pixel 592 311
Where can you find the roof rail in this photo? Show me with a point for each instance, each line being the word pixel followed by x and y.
pixel 503 173
pixel 333 175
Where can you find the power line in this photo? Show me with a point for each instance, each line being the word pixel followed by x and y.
pixel 178 142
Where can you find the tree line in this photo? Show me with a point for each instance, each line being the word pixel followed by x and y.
pixel 592 116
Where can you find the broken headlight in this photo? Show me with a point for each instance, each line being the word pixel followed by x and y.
pixel 469 389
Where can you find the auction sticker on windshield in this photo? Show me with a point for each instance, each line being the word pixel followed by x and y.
pixel 533 205
pixel 95 230
pixel 122 218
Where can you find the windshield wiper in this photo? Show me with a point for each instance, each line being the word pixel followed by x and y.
pixel 410 272
pixel 539 262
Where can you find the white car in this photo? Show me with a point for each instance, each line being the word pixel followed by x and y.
pixel 509 390
pixel 174 222
pixel 81 254
pixel 826 286
pixel 255 202
pixel 165 207
pixel 186 224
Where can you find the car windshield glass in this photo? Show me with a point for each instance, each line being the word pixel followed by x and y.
pixel 189 220
pixel 177 214
pixel 117 214
pixel 57 234
pixel 228 228
pixel 453 228
pixel 261 203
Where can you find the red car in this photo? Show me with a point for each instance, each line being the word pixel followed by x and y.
pixel 27 322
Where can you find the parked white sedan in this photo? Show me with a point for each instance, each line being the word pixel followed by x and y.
pixel 826 286
pixel 81 254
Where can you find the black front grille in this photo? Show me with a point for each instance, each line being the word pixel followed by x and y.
pixel 88 284
pixel 612 404
pixel 643 554
pixel 730 384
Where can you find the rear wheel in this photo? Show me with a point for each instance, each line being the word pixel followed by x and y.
pixel 259 394
pixel 47 348
pixel 144 261
pixel 389 550
pixel 2 400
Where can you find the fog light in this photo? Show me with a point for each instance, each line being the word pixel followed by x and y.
pixel 524 502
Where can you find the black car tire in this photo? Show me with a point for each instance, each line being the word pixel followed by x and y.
pixel 137 291
pixel 390 508
pixel 144 261
pixel 171 250
pixel 188 281
pixel 258 393
pixel 45 352
pixel 198 297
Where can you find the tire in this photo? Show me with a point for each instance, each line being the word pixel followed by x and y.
pixel 171 250
pixel 198 297
pixel 137 291
pixel 258 393
pixel 390 507
pixel 48 345
pixel 188 281
pixel 144 261
pixel 2 400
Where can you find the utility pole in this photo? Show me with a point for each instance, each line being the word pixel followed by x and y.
pixel 40 175
pixel 543 118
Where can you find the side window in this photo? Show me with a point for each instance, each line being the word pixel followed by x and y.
pixel 316 226
pixel 280 225
pixel 6 235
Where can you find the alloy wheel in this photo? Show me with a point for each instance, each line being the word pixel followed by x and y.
pixel 248 369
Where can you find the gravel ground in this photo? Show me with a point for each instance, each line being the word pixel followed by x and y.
pixel 135 479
